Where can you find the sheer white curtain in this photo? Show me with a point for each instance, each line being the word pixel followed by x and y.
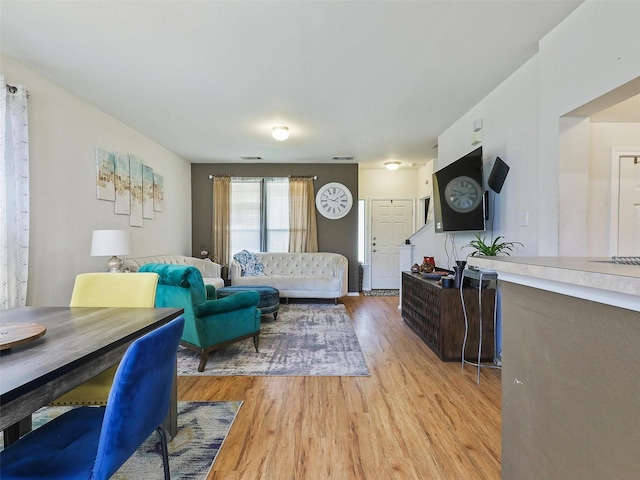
pixel 14 195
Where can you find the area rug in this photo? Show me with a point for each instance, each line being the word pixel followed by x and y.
pixel 381 293
pixel 305 340
pixel 202 429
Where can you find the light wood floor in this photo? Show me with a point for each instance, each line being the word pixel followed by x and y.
pixel 415 417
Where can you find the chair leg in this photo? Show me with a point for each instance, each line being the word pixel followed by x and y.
pixel 203 361
pixel 256 340
pixel 165 452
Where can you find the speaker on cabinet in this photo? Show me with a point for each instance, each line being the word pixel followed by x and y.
pixel 498 175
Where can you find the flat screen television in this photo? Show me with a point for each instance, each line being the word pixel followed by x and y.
pixel 458 195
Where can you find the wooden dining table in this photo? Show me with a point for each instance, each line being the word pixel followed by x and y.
pixel 79 343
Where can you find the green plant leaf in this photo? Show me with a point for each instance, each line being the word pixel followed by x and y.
pixel 496 247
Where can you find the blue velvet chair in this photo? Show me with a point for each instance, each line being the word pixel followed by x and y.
pixel 210 323
pixel 94 442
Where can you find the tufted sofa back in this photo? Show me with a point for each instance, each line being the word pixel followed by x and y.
pixel 321 263
pixel 207 269
pixel 298 275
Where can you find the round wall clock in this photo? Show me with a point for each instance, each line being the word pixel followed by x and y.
pixel 334 200
pixel 463 194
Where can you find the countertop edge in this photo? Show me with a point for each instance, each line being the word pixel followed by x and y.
pixel 580 277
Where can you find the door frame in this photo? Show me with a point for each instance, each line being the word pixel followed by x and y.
pixel 368 229
pixel 616 154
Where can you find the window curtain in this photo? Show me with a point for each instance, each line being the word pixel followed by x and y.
pixel 303 232
pixel 221 235
pixel 14 195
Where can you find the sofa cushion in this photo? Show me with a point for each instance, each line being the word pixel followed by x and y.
pixel 296 282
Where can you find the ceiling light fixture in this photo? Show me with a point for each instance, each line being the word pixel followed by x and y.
pixel 392 165
pixel 280 132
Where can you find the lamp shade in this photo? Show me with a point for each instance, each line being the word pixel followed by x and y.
pixel 106 243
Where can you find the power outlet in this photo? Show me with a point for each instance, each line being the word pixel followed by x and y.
pixel 524 219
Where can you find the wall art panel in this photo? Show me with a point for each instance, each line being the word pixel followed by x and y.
pixel 147 192
pixel 123 195
pixel 158 192
pixel 135 175
pixel 105 165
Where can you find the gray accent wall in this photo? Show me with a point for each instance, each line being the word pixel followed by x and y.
pixel 338 236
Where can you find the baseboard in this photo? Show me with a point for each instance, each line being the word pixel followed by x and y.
pixel 353 294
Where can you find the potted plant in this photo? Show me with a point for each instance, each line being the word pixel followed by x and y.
pixel 481 247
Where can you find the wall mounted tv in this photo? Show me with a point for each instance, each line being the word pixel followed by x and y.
pixel 459 200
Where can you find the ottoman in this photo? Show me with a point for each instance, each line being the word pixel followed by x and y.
pixel 269 297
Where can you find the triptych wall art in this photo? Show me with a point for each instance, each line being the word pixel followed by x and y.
pixel 135 188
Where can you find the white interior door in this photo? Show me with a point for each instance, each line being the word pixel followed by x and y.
pixel 391 225
pixel 629 207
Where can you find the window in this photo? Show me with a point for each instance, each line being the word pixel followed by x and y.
pixel 259 214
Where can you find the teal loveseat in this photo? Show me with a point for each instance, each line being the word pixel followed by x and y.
pixel 210 323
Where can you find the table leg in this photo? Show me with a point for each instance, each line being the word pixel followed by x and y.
pixel 170 423
pixel 14 432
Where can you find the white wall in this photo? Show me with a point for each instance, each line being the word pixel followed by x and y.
pixel 572 219
pixel 380 183
pixel 64 132
pixel 510 131
pixel 602 138
pixel 592 52
pixel 595 50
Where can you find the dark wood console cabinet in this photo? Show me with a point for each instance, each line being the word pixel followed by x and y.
pixel 436 315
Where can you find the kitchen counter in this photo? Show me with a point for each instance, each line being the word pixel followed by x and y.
pixel 570 375
pixel 590 278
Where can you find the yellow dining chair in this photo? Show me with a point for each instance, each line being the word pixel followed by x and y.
pixel 127 290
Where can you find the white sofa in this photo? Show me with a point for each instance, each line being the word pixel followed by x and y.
pixel 299 275
pixel 210 271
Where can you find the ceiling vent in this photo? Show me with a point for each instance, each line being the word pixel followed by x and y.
pixel 251 158
pixel 347 158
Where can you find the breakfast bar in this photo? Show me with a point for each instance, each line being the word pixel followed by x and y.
pixel 570 367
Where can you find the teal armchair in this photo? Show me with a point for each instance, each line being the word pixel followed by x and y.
pixel 210 323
